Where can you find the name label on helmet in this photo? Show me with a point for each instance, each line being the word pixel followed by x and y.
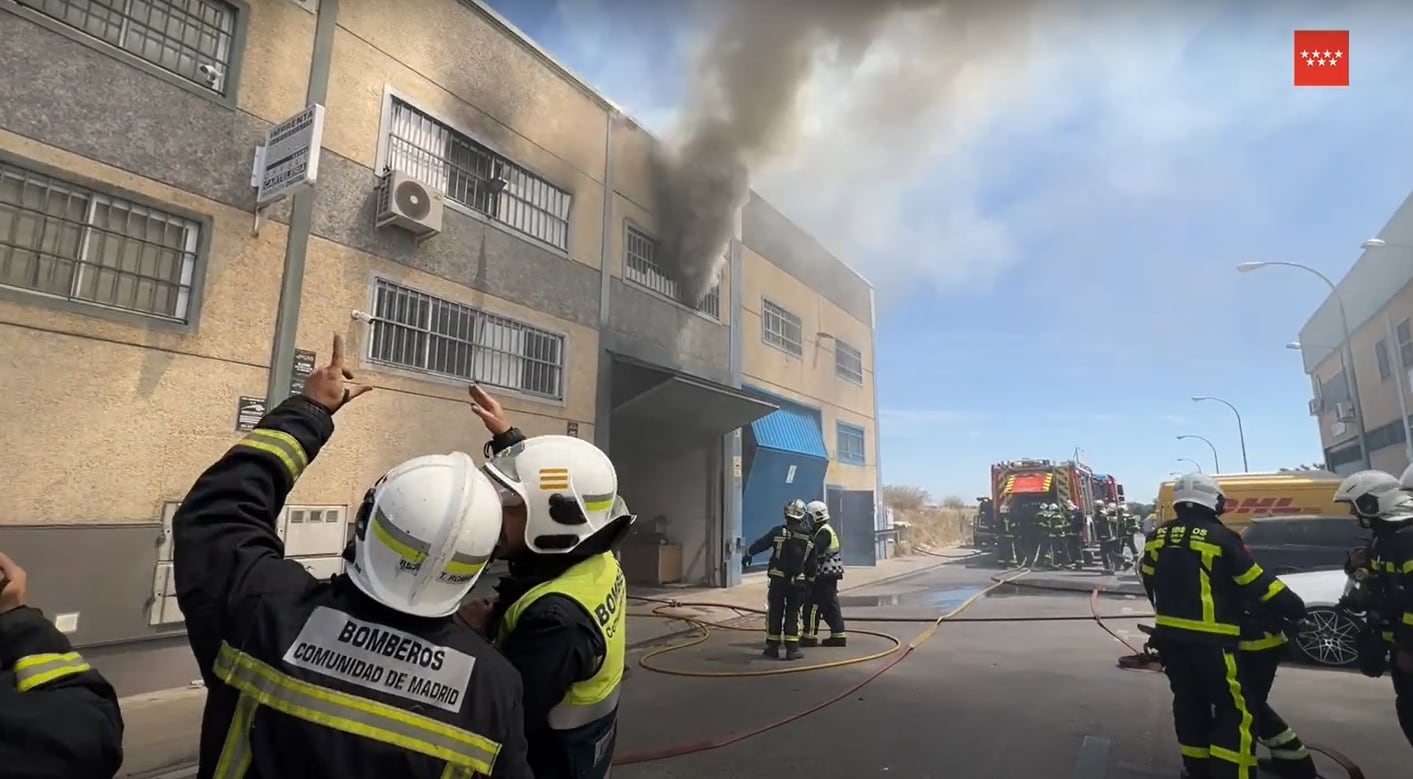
pixel 377 657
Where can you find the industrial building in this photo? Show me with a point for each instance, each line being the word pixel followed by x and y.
pixel 1365 411
pixel 480 214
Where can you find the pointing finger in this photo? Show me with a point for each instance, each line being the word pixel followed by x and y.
pixel 337 359
pixel 354 390
pixel 347 374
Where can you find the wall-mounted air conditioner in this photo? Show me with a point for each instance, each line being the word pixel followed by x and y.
pixel 1344 411
pixel 409 204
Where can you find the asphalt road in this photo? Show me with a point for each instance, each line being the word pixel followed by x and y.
pixel 1002 700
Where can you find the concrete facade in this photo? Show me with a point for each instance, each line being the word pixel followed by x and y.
pixel 125 375
pixel 1377 294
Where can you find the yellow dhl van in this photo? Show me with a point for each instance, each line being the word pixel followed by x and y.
pixel 1282 494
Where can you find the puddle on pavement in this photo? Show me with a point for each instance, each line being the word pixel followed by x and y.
pixel 944 598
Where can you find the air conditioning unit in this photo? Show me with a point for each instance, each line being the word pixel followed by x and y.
pixel 1315 407
pixel 1344 411
pixel 409 204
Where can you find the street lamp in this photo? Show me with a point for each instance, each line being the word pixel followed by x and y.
pixel 1373 243
pixel 1346 353
pixel 1240 431
pixel 1216 464
pixel 1196 465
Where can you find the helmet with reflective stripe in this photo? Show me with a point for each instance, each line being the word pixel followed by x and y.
pixel 1376 495
pixel 568 486
pixel 794 509
pixel 1199 489
pixel 818 511
pixel 424 534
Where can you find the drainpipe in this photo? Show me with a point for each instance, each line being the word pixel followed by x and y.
pixel 301 220
pixel 731 507
pixel 603 396
pixel 879 509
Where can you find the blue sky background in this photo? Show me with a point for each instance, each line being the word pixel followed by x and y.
pixel 1053 233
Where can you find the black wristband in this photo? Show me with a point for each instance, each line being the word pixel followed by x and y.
pixel 502 441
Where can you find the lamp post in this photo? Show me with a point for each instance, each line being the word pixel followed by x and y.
pixel 1347 352
pixel 1195 464
pixel 1216 464
pixel 1240 430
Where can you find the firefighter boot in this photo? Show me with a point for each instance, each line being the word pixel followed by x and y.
pixel 772 650
pixel 807 642
pixel 835 641
pixel 792 652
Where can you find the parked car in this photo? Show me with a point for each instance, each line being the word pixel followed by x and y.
pixel 1304 543
pixel 1329 638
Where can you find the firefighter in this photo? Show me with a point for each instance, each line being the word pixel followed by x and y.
pixel 1259 654
pixel 792 562
pixel 1201 581
pixel 1128 529
pixel 1105 531
pixel 559 616
pixel 1053 525
pixel 823 603
pixel 1074 534
pixel 1008 541
pixel 1384 572
pixel 59 718
pixel 366 675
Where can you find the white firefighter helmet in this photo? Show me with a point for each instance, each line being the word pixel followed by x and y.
pixel 1199 489
pixel 1376 495
pixel 818 511
pixel 568 486
pixel 424 533
pixel 794 509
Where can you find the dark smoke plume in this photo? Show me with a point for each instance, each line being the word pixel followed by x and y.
pixel 745 94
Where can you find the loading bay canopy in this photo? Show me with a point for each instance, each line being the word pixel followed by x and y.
pixel 670 405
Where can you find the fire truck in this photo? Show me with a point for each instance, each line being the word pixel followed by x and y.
pixel 1020 487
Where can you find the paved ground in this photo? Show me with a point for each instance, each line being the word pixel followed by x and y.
pixel 980 699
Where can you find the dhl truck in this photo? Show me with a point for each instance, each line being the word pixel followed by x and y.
pixel 1283 494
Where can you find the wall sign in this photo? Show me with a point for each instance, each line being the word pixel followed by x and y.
pixel 303 366
pixel 572 428
pixel 790 475
pixel 248 413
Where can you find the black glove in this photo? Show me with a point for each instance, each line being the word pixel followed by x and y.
pixel 1373 654
pixel 745 562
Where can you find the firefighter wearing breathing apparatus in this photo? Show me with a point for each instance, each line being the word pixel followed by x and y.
pixel 363 676
pixel 823 602
pixel 559 616
pixel 1383 575
pixel 792 565
pixel 1203 585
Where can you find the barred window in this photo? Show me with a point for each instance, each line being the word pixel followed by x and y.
pixel 848 362
pixel 849 443
pixel 782 329
pixel 64 241
pixel 424 333
pixel 640 267
pixel 476 177
pixel 189 38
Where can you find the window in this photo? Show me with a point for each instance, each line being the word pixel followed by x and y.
pixel 848 362
pixel 640 267
pixel 1381 356
pixel 850 444
pixel 781 329
pixel 1405 344
pixel 63 241
pixel 188 38
pixel 476 177
pixel 422 333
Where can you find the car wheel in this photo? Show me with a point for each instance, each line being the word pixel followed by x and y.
pixel 1330 638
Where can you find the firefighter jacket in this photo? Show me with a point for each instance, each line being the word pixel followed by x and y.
pixel 1390 584
pixel 792 553
pixel 826 548
pixel 59 718
pixel 314 679
pixel 1202 583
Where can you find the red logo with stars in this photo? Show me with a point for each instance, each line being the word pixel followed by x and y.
pixel 1322 58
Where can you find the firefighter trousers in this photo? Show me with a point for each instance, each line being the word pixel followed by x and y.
pixel 782 618
pixel 1403 699
pixel 1258 670
pixel 1216 729
pixel 823 607
pixel 1008 550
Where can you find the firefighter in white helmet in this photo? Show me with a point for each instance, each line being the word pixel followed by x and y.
pixel 372 652
pixel 559 616
pixel 822 605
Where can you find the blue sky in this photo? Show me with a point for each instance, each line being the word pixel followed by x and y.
pixel 1054 228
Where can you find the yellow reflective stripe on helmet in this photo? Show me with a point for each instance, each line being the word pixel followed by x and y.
pixel 32 671
pixel 409 548
pixel 1252 574
pixel 1277 586
pixel 235 754
pixel 280 444
pixel 598 502
pixel 267 686
pixel 462 564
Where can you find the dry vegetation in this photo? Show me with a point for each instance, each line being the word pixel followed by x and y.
pixel 930 525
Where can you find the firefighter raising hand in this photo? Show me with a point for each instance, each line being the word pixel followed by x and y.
pixel 331 385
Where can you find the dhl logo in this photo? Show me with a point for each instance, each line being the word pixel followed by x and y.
pixel 1268 506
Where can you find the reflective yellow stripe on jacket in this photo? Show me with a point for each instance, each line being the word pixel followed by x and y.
pixel 596 584
pixel 282 445
pixel 261 684
pixel 35 670
pixel 1209 553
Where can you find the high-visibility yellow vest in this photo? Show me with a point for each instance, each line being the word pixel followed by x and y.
pixel 596 584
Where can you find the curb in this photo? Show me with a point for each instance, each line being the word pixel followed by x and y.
pixel 1124 590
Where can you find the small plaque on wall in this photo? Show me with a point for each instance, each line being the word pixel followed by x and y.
pixel 572 428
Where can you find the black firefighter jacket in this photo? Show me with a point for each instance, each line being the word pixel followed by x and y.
pixel 59 718
pixel 313 679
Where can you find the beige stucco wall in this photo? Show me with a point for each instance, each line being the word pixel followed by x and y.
pixel 810 378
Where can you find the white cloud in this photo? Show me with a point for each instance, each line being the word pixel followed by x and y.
pixel 925 418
